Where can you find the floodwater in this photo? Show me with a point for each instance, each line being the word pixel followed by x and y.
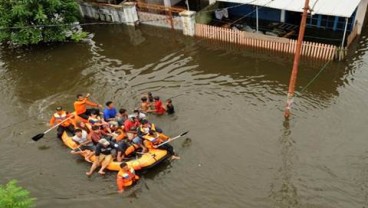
pixel 240 152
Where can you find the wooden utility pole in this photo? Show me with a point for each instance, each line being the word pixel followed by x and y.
pixel 294 73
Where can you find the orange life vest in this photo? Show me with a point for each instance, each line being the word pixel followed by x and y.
pixel 125 178
pixel 57 118
pixel 131 149
pixel 121 135
pixel 149 141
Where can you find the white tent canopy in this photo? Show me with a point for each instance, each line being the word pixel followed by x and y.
pixel 340 8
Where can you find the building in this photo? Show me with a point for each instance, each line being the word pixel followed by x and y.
pixel 334 22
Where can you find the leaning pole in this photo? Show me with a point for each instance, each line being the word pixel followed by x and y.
pixel 294 72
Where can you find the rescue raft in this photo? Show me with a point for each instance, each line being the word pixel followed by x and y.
pixel 143 162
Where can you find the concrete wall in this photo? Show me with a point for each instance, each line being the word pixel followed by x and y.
pixel 159 20
pixel 116 13
pixel 360 16
pixel 170 3
pixel 103 13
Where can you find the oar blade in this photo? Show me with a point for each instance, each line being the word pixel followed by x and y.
pixel 38 137
pixel 184 133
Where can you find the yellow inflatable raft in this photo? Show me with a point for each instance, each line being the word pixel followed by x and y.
pixel 143 162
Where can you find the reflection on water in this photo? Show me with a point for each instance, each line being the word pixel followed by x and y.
pixel 230 98
pixel 283 191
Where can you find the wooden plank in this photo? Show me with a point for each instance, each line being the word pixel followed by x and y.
pixel 309 51
pixel 328 52
pixel 318 50
pixel 333 50
pixel 314 49
pixel 307 48
pixel 324 51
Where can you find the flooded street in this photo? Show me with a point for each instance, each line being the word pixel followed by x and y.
pixel 241 153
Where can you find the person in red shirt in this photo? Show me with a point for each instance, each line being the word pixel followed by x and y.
pixel 159 108
pixel 131 125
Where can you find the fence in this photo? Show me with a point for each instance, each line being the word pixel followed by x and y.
pixel 309 49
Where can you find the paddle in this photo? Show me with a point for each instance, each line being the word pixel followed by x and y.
pixel 172 139
pixel 39 136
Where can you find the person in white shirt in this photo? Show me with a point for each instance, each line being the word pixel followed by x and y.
pixel 86 147
pixel 140 115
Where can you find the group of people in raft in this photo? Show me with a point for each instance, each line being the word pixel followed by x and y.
pixel 100 133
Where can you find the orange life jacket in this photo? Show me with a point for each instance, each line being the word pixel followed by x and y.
pixel 57 118
pixel 125 178
pixel 80 107
pixel 149 141
pixel 121 135
pixel 131 149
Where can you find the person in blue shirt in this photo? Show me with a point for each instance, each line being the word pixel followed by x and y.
pixel 109 112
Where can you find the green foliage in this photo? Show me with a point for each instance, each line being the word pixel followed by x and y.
pixel 13 196
pixel 24 22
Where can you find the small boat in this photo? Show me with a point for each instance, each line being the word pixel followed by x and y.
pixel 142 162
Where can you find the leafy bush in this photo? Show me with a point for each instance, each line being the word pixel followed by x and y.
pixel 24 22
pixel 13 196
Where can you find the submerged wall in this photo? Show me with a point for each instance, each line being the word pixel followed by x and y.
pixel 108 13
pixel 160 20
pixel 128 14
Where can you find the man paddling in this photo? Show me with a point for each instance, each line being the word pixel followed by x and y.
pixel 80 106
pixel 58 117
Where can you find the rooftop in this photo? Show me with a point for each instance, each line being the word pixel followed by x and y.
pixel 341 8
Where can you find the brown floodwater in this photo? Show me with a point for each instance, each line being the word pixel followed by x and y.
pixel 240 152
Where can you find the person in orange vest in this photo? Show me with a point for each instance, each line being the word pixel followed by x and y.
pixel 80 106
pixel 59 116
pixel 125 177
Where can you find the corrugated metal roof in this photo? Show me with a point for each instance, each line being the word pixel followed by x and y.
pixel 341 8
